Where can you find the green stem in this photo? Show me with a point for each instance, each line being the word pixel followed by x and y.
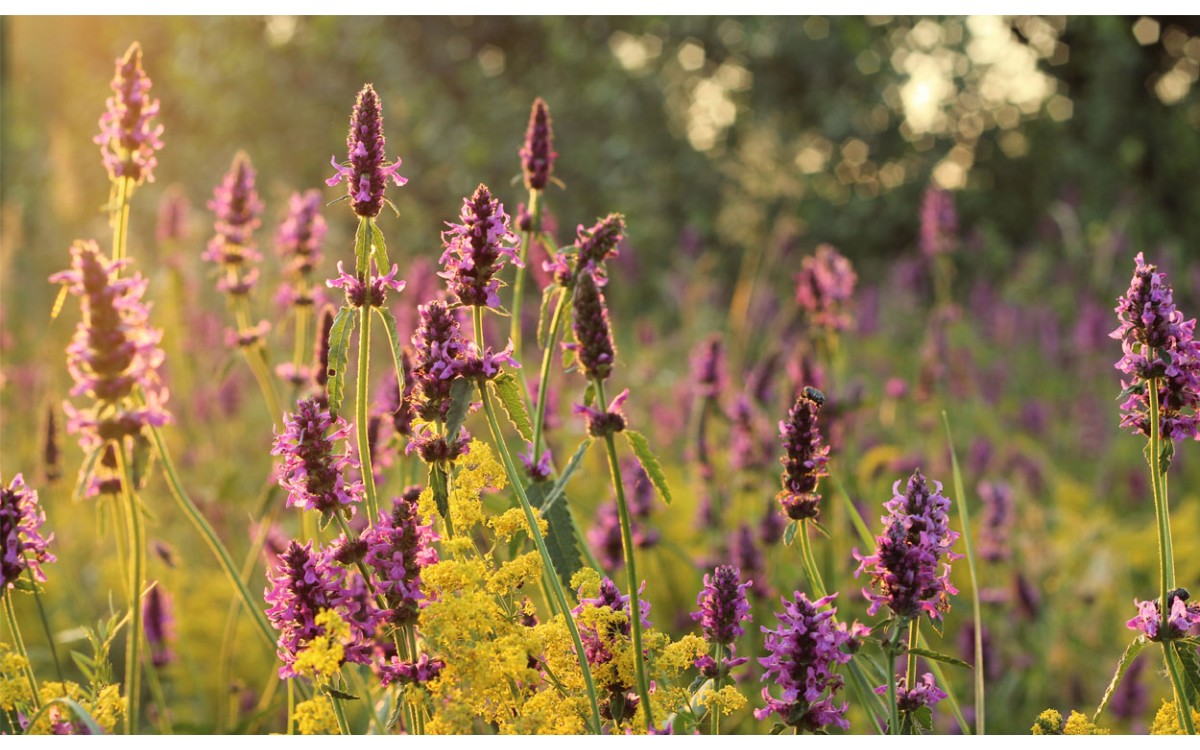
pixel 37 598
pixel 362 410
pixel 291 717
pixel 1184 709
pixel 914 628
pixel 893 706
pixel 160 700
pixel 120 217
pixel 10 614
pixel 715 727
pixel 535 212
pixel 136 573
pixel 210 537
pixel 635 611
pixel 810 562
pixel 340 713
pixel 262 374
pixel 556 323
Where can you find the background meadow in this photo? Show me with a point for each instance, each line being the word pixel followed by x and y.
pixel 734 148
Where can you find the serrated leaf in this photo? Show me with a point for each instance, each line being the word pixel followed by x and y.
pixel 380 246
pixel 649 462
pixel 362 247
pixel 394 717
pixel 1191 672
pixel 589 394
pixel 1131 653
pixel 543 329
pixel 571 467
pixel 562 538
pixel 789 534
pixel 937 656
pixel 393 336
pixel 460 402
pixel 924 719
pixel 339 356
pixel 438 482
pixel 508 390
pixel 333 692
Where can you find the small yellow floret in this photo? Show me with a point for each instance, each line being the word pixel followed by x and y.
pixel 726 700
pixel 1166 721
pixel 586 581
pixel 1048 722
pixel 323 655
pixel 1080 724
pixel 316 717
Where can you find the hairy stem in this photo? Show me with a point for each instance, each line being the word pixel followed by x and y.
pixel 10 615
pixel 136 573
pixel 362 409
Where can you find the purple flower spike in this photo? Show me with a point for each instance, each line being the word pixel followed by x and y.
pixel 1180 620
pixel 997 500
pixel 313 475
pixel 298 242
pixel 397 548
pixel 22 546
pixel 173 210
pixel 359 293
pixel 723 605
pixel 366 170
pixel 1158 344
pixel 113 352
pixel 915 540
pixel 537 155
pixel 593 246
pixel 802 656
pixel 825 289
pixel 159 625
pixel 476 250
pixel 306 582
pixel 439 347
pixel 238 208
pixel 939 222
pixel 601 423
pixel 609 596
pixel 128 139
pixel 804 457
pixel 708 368
pixel 593 345
pixel 924 693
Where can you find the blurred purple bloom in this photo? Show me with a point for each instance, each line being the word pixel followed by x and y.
pixel 537 155
pixel 238 208
pixel 173 209
pixel 366 170
pixel 416 672
pixel 939 222
pixel 825 289
pixel 708 368
pixel 159 625
pixel 21 542
pixel 997 501
pixel 128 139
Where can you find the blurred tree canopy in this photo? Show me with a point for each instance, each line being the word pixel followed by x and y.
pixel 713 133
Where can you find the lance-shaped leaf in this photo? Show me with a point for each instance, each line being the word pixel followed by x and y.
pixel 339 356
pixel 460 401
pixel 1190 661
pixel 508 390
pixel 441 491
pixel 937 656
pixel 572 466
pixel 362 247
pixel 389 327
pixel 649 462
pixel 381 254
pixel 1131 653
pixel 562 538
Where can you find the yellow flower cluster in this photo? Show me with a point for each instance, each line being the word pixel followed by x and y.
pixel 14 685
pixel 1166 721
pixel 1051 722
pixel 512 521
pixel 726 700
pixel 323 655
pixel 475 472
pixel 106 709
pixel 316 717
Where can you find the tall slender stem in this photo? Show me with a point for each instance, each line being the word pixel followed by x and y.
pixel 893 706
pixel 340 713
pixel 291 717
pixel 914 638
pixel 120 217
pixel 136 573
pixel 556 323
pixel 810 562
pixel 37 598
pixel 362 410
pixel 10 614
pixel 514 478
pixel 535 213
pixel 635 611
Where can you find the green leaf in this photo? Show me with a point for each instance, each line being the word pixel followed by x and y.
pixel 362 247
pixel 572 465
pixel 924 719
pixel 389 327
pixel 439 483
pixel 589 394
pixel 1131 652
pixel 381 254
pixel 649 462
pixel 23 584
pixel 936 656
pixel 543 329
pixel 460 402
pixel 820 528
pixel 142 461
pixel 1191 672
pixel 339 356
pixel 333 692
pixel 789 534
pixel 562 538
pixel 85 474
pixel 508 390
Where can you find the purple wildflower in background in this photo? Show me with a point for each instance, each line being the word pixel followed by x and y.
pixel 159 625
pixel 397 548
pixel 128 139
pixel 238 208
pixel 825 289
pixel 477 248
pixel 708 368
pixel 1180 620
pixel 802 655
pixel 114 351
pixel 723 609
pixel 22 546
pixel 51 453
pixel 540 470
pixel 1158 346
pixel 366 170
pixel 593 246
pixel 173 210
pixel 1131 698
pixel 298 243
pixel 313 475
pixel 747 556
pixel 924 693
pixel 916 539
pixel 751 441
pixel 939 222
pixel 997 501
pixel 605 535
pixel 306 582
pixel 804 457
pixel 537 155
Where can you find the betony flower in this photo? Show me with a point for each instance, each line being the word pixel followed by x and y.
pixel 128 138
pixel 397 548
pixel 802 655
pixel 477 249
pixel 22 546
pixel 1180 620
pixel 438 347
pixel 825 289
pixel 595 645
pixel 922 694
pixel 804 457
pixel 708 368
pixel 238 208
pixel 114 352
pixel 312 473
pixel 416 672
pixel 537 155
pixel 366 170
pixel 298 243
pixel 360 292
pixel 593 345
pixel 607 422
pixel 997 501
pixel 539 470
pixel 723 609
pixel 1159 347
pixel 173 209
pixel 939 222
pixel 916 539
pixel 593 246
pixel 159 625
